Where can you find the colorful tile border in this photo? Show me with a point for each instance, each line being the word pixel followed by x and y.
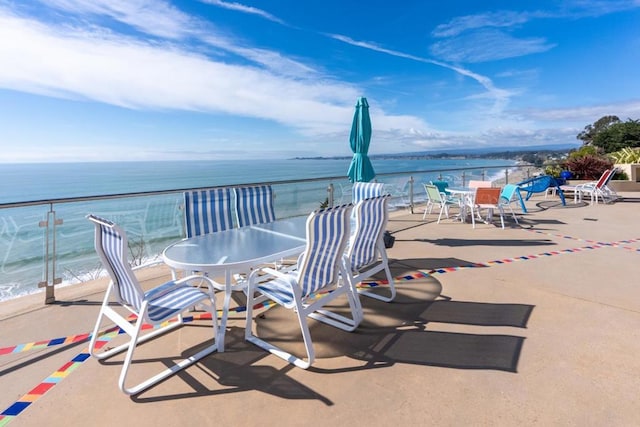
pixel 25 401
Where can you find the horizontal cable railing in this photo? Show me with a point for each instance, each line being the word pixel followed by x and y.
pixel 44 243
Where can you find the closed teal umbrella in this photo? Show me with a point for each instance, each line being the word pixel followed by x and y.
pixel 360 169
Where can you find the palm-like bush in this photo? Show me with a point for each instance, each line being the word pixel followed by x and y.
pixel 626 155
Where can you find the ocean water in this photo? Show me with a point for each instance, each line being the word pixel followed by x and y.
pixel 154 221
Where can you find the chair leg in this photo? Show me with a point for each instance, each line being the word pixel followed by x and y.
pixel 384 265
pixel 276 351
pixel 135 339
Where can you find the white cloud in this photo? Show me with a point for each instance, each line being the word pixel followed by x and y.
pixel 155 17
pixel 133 74
pixel 487 45
pixel 244 9
pixel 465 23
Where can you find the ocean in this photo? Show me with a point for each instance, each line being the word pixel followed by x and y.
pixel 152 222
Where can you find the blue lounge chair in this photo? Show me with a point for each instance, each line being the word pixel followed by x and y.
pixel 539 184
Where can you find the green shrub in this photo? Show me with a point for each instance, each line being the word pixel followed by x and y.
pixel 553 170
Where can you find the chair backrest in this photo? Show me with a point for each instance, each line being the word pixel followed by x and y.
pixel 605 177
pixel 433 193
pixel 442 185
pixel 327 237
pixel 487 195
pixel 507 194
pixel 207 211
pixel 111 246
pixel 370 221
pixel 254 205
pixel 366 190
pixel 479 184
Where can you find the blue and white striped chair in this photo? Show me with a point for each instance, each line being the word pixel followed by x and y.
pixel 321 277
pixel 254 205
pixel 366 253
pixel 207 211
pixel 154 307
pixel 366 190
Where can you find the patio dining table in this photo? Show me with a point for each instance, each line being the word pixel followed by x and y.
pixel 237 250
pixel 466 196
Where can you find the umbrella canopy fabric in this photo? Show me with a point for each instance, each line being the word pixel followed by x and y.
pixel 360 169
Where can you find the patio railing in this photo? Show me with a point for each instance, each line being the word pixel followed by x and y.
pixel 46 243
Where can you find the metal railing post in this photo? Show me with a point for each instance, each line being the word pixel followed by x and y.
pixel 411 181
pixel 50 281
pixel 330 194
pixel 506 176
pixel 464 179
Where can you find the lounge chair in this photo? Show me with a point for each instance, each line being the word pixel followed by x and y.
pixel 539 184
pixel 599 189
pixel 154 307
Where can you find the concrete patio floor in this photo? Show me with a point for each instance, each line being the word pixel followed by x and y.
pixel 537 324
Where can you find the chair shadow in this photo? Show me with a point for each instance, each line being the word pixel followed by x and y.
pixel 236 371
pixel 487 242
pixel 390 333
pixel 398 332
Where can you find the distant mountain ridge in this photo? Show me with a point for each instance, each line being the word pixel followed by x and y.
pixel 510 152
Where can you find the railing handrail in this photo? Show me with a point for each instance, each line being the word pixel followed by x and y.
pixel 282 182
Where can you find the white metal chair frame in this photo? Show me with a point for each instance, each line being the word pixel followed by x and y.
pixel 598 189
pixel 321 277
pixel 366 252
pixel 436 198
pixel 154 307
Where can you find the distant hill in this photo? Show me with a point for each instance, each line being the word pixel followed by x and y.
pixel 484 152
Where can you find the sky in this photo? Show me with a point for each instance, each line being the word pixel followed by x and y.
pixel 92 80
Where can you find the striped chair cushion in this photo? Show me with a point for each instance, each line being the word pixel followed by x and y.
pixel 207 211
pixel 254 205
pixel 366 190
pixel 371 218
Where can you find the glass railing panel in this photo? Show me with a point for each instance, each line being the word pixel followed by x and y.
pixel 23 248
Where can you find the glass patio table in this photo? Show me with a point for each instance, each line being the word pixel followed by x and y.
pixel 237 250
pixel 466 196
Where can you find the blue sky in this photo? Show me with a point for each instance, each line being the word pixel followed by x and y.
pixel 85 80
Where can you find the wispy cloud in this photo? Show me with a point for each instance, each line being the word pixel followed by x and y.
pixel 244 9
pixel 90 64
pixel 488 45
pixel 501 96
pixel 152 17
pixel 586 114
pixel 461 24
